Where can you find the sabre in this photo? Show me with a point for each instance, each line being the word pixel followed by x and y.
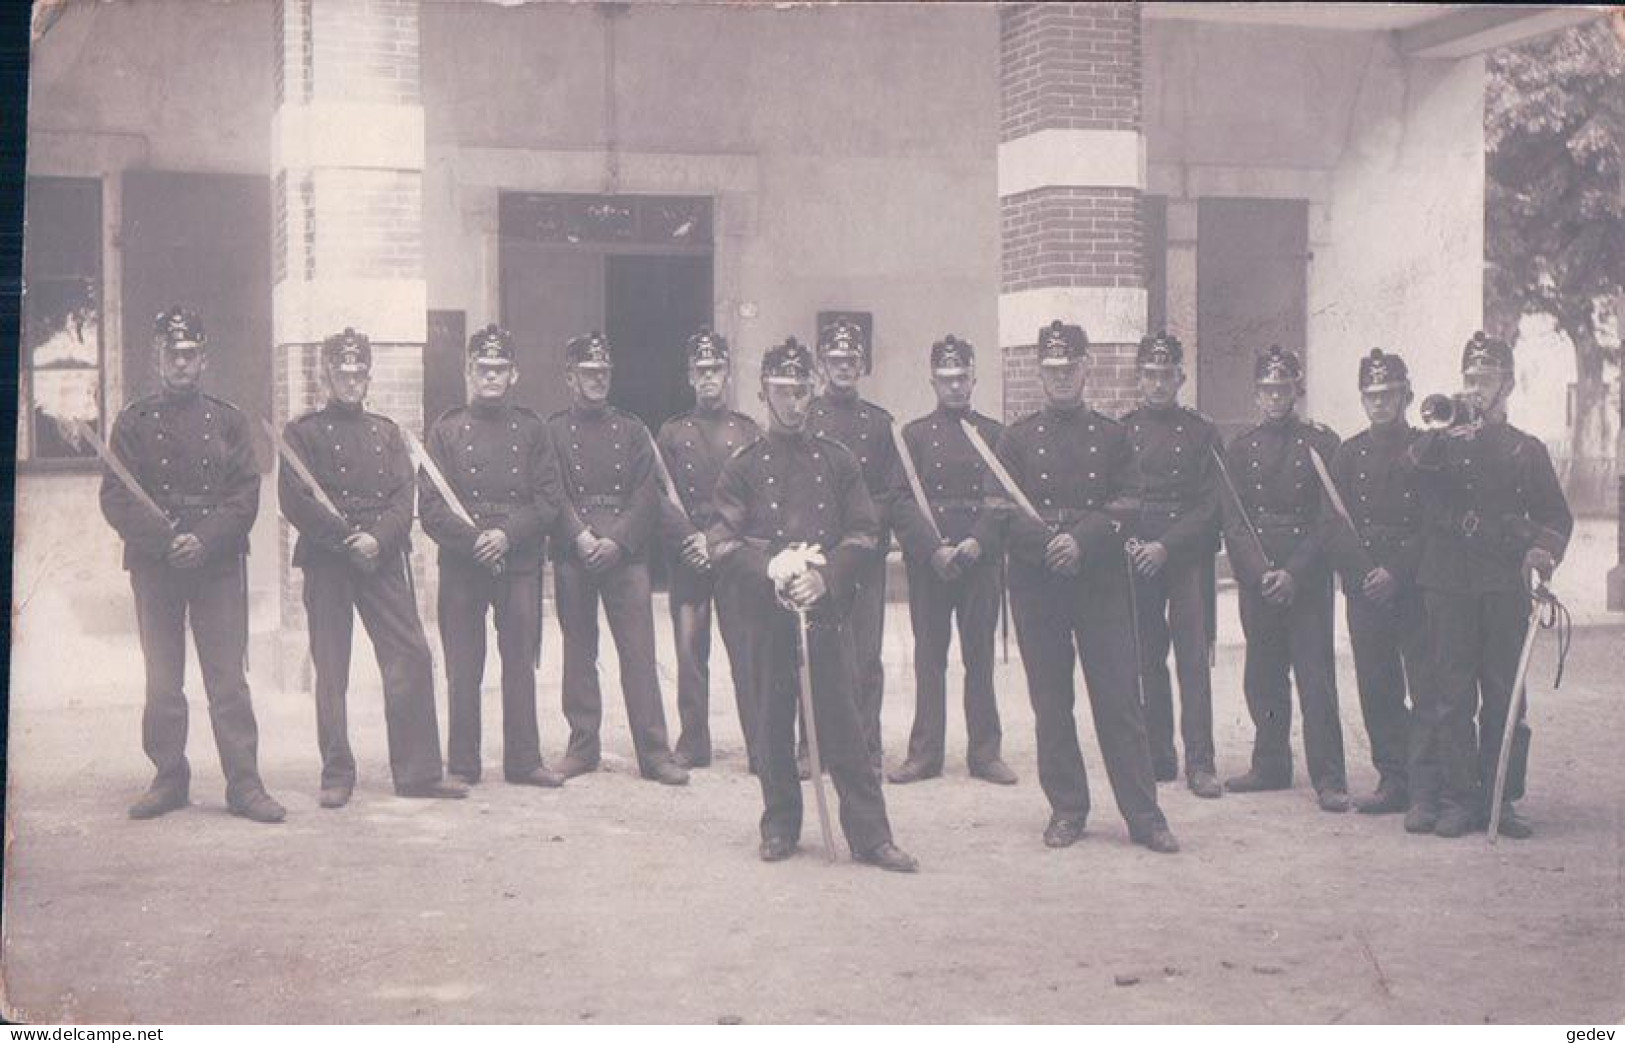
pixel 1241 508
pixel 665 478
pixel 1005 480
pixel 291 458
pixel 421 458
pixel 671 487
pixel 1540 595
pixel 1130 545
pixel 1364 560
pixel 811 730
pixel 114 464
pixel 786 565
pixel 913 476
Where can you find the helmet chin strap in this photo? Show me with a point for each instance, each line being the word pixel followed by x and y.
pixel 775 414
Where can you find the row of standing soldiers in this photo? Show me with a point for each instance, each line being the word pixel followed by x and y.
pixel 1104 530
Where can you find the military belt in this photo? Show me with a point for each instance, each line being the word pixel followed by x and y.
pixel 1279 519
pixel 601 501
pixel 192 502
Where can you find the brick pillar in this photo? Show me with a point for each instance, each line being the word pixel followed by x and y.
pixel 1071 173
pixel 347 146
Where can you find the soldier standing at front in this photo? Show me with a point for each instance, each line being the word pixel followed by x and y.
pixel 192 456
pixel 841 414
pixel 599 549
pixel 1070 596
pixel 1495 512
pixel 792 488
pixel 954 558
pixel 1175 539
pixel 694 447
pixel 357 561
pixel 1386 620
pixel 1285 587
pixel 499 462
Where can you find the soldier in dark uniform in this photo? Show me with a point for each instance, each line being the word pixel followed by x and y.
pixel 1495 512
pixel 359 563
pixel 499 461
pixel 954 560
pixel 1386 620
pixel 1174 538
pixel 841 414
pixel 1070 596
pixel 694 447
pixel 791 489
pixel 599 548
pixel 1285 587
pixel 192 455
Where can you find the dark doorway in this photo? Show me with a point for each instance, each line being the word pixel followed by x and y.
pixel 636 268
pixel 653 305
pixel 1251 291
pixel 202 241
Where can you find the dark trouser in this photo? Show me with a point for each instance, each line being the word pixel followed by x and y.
pixel 1058 620
pixel 1173 610
pixel 773 654
pixel 1293 639
pixel 933 602
pixel 1390 645
pixel 467 590
pixel 868 623
pixel 691 596
pixel 217 602
pixel 626 596
pixel 334 593
pixel 1477 639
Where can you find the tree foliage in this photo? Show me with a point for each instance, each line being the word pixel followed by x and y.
pixel 1555 196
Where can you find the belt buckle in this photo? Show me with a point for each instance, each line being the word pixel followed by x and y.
pixel 1470 522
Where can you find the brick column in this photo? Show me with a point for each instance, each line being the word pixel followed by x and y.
pixel 347 147
pixel 1071 174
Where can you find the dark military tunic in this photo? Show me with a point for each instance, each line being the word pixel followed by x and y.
pixel 1280 492
pixel 1173 483
pixel 1072 464
pixel 781 490
pixel 694 447
pixel 953 478
pixel 193 454
pixel 361 461
pixel 500 463
pixel 865 429
pixel 607 459
pixel 1487 501
pixel 1379 489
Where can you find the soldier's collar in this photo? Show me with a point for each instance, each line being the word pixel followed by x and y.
pixel 488 407
pixel 181 395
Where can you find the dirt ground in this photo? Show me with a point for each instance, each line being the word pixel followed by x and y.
pixel 617 900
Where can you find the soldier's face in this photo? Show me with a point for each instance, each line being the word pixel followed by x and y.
pixel 348 387
pixel 709 382
pixel 1384 407
pixel 588 385
pixel 1160 387
pixel 181 368
pixel 1275 401
pixel 1489 387
pixel 1063 384
pixel 787 404
pixel 490 381
pixel 954 392
pixel 842 371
